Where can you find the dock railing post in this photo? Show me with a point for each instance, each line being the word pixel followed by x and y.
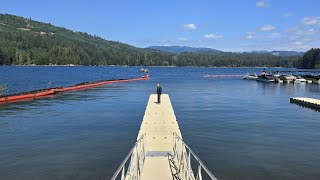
pixel 199 176
pixel 184 161
pixel 189 166
pixel 137 157
pixel 122 173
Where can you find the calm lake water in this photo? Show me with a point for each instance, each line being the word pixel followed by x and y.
pixel 240 129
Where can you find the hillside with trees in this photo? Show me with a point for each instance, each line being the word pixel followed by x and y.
pixel 28 42
pixel 311 59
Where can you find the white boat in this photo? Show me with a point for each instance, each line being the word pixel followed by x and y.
pixel 266 78
pixel 316 81
pixel 300 80
pixel 250 76
pixel 276 75
pixel 312 79
pixel 287 78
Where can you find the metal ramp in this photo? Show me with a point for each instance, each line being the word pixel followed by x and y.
pixel 160 152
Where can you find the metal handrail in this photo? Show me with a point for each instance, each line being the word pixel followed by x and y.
pixel 184 161
pixel 180 160
pixel 135 149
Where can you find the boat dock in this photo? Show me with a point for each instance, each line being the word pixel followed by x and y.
pixel 160 152
pixel 159 123
pixel 307 102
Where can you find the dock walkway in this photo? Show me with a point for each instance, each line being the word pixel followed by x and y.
pixel 159 123
pixel 160 152
pixel 307 102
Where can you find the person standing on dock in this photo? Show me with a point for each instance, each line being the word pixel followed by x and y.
pixel 159 92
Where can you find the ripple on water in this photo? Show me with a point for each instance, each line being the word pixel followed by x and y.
pixel 240 129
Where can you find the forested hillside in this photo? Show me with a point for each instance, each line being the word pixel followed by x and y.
pixel 23 41
pixel 311 59
pixel 27 42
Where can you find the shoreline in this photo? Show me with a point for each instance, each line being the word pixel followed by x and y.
pixel 72 65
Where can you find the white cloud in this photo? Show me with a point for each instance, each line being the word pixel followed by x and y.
pixel 311 31
pixel 287 14
pixel 309 21
pixel 300 31
pixel 263 4
pixel 183 39
pixel 267 28
pixel 298 38
pixel 213 36
pixel 275 35
pixel 190 26
pixel 297 43
pixel 250 35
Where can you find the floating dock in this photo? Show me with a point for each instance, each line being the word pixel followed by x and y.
pixel 159 123
pixel 160 152
pixel 307 102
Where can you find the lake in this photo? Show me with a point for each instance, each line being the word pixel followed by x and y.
pixel 240 129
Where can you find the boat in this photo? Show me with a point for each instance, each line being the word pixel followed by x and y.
pixel 250 76
pixel 300 80
pixel 316 79
pixel 267 78
pixel 287 78
pixel 277 75
pixel 143 70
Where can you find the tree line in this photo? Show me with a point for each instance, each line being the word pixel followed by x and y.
pixel 311 59
pixel 27 42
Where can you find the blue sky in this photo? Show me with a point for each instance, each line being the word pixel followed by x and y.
pixel 233 25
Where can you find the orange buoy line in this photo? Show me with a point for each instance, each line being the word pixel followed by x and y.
pixel 51 91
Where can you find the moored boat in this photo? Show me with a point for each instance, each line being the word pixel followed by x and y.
pixel 250 76
pixel 287 78
pixel 312 78
pixel 300 80
pixel 266 78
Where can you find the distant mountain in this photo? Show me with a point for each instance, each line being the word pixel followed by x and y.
pixel 182 49
pixel 278 53
pixel 286 53
pixel 259 52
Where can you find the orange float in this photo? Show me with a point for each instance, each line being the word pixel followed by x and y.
pixel 51 91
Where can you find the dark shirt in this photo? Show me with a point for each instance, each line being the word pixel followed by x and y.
pixel 159 90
